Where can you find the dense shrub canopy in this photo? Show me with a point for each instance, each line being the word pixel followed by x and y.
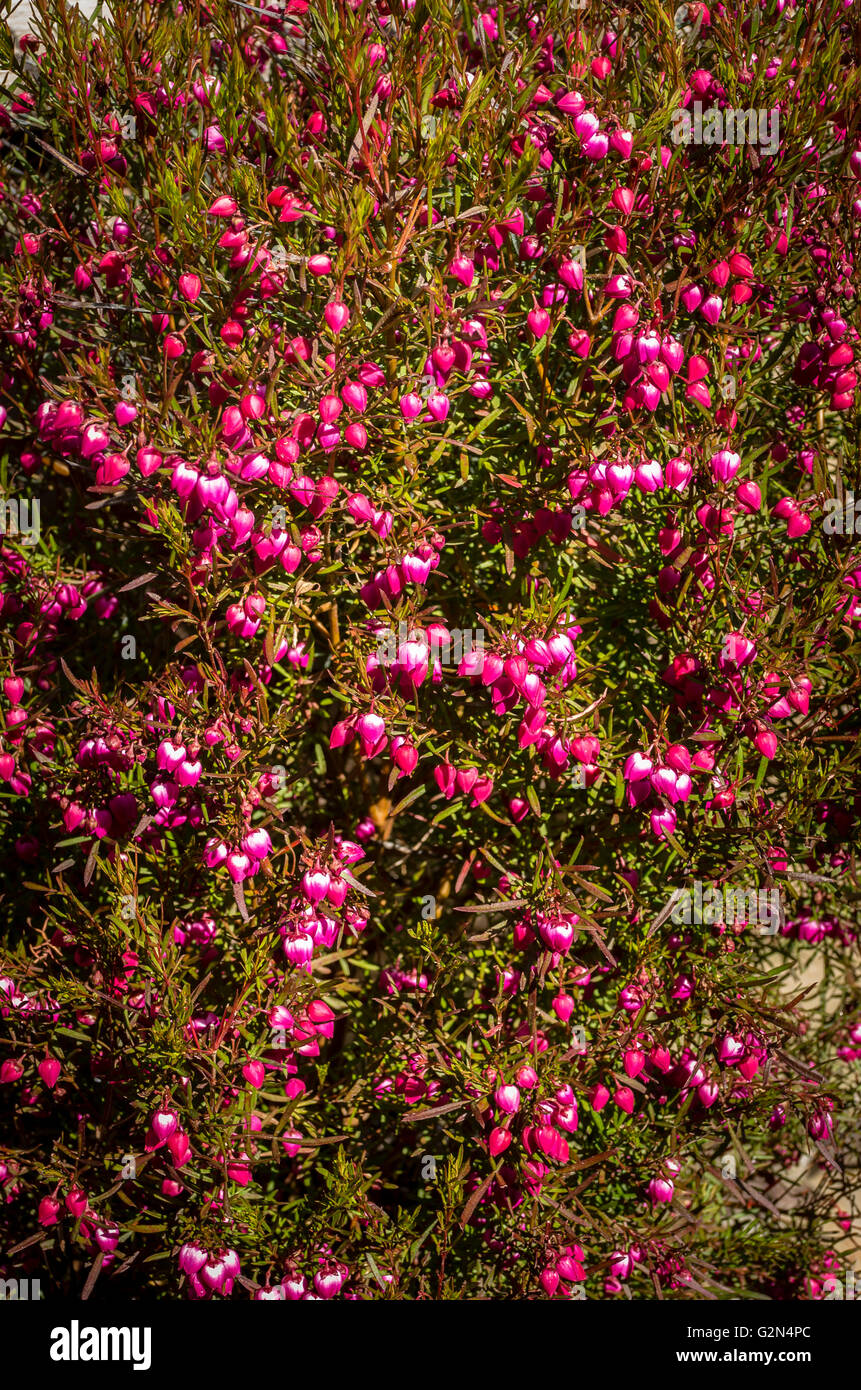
pixel 430 613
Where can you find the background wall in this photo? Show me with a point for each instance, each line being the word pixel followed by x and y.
pixel 20 16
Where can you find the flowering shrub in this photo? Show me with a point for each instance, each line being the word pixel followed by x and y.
pixel 430 768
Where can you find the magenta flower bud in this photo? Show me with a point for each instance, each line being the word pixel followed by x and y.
pixel 491 669
pixel 620 477
pixel 190 286
pixel 163 1124
pixel 731 1050
pixel 69 416
pixel 678 758
pixel 329 1280
pixel 648 346
pixel 315 884
pixel 649 476
pixel 356 435
pixel 257 843
pixel 820 1125
pixel 622 141
pixel 556 931
pixel 463 269
pixel 596 146
pixel 169 755
pixel 660 1190
pixel 624 1098
pixel 712 308
pixel 724 465
pixel 798 525
pixel 215 853
pixel 438 406
pixel 254 1073
pixel 662 823
pixel 337 316
pixel 239 866
pixel 707 1093
pixel 184 480
pixel 507 1099
pixel 749 497
pixel 329 436
pixel 330 409
pixel 672 354
pixel 799 694
pixel 337 892
pixel 622 1264
pixel 684 787
pixel 516 669
pixel 599 1096
pixel 49 1070
pixel 445 777
pixel 571 274
pixel 107 1237
pixel 499 1139
pixel 663 780
pixel 634 1061
pixel 563 1007
pixel 353 394
pixel 192 1258
pixel 737 651
pixel 552 1144
pixel 372 732
pixel 699 392
pixel 586 124
pixel 539 322
pixel 75 1201
pixel 416 568
pixel 299 947
pixel 623 200
pixel 619 287
pixel 360 508
pixel 626 317
pixel 179 1148
pixel 765 742
pixel 49 1211
pixel 149 461
pixel 94 440
pixel 570 104
pixel 411 405
pixel 678 474
pixel 405 754
pixel 189 772
pixel 294 1286
pixel 223 207
pixel 637 766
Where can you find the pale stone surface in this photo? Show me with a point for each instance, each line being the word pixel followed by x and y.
pixel 20 16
